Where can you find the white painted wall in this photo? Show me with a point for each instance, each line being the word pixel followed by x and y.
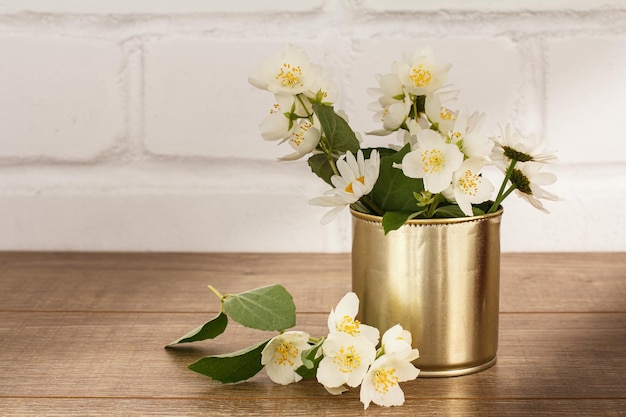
pixel 129 124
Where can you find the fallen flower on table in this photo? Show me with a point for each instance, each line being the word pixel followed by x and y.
pixel 282 356
pixel 346 357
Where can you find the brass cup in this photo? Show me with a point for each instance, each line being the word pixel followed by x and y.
pixel 437 278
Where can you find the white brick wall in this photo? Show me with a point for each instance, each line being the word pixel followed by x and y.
pixel 130 125
pixel 61 97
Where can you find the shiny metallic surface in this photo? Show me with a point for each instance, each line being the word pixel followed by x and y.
pixel 439 279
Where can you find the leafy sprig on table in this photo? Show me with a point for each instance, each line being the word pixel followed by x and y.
pixel 269 308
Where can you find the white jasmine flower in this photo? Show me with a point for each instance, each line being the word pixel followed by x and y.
pixel 390 89
pixel 468 186
pixel 434 160
pixel 303 139
pixel 356 178
pixel 396 339
pixel 290 73
pixel 392 107
pixel 325 90
pixel 441 117
pixel 282 356
pixel 458 130
pixel 277 126
pixel 381 383
pixel 394 115
pixel 420 74
pixel 342 319
pixel 512 145
pixel 414 128
pixel 475 145
pixel 528 181
pixel 463 134
pixel 346 360
pixel 336 390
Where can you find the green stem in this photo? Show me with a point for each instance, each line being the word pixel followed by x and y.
pixel 430 213
pixel 371 206
pixel 501 193
pixel 412 112
pixel 508 191
pixel 217 293
pixel 332 163
pixel 433 206
pixel 329 155
pixel 308 115
pixel 380 352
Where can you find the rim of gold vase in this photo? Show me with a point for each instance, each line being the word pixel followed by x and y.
pixel 446 220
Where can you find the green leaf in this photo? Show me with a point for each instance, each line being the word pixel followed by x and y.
pixel 340 136
pixel 392 220
pixel 310 362
pixel 233 367
pixel 478 211
pixel 208 330
pixel 382 152
pixel 394 191
pixel 454 210
pixel 265 308
pixel 483 207
pixel 321 167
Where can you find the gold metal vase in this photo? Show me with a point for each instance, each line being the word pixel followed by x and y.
pixel 439 279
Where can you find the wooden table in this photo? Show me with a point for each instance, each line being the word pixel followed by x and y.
pixel 83 335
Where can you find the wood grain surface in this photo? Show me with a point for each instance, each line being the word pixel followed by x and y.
pixel 82 334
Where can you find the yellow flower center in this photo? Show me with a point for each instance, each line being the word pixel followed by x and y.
pixel 275 108
pixel 455 136
pixel 385 379
pixel 349 325
pixel 468 183
pixel 385 112
pixel 350 190
pixel 432 160
pixel 288 75
pixel 348 359
pixel 298 136
pixel 286 353
pixel 446 114
pixel 420 76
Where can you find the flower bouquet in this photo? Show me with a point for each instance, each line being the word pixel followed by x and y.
pixel 435 169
